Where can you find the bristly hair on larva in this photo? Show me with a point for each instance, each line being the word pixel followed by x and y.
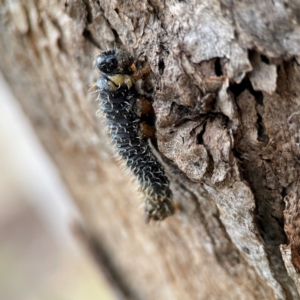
pixel 117 96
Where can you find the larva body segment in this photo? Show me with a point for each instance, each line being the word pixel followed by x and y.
pixel 118 103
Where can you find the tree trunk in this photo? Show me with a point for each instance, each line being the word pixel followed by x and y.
pixel 225 90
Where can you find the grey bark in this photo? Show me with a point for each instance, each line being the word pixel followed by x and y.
pixel 225 81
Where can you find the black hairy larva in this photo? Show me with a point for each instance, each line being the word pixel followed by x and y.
pixel 118 98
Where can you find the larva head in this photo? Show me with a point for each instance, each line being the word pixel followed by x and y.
pixel 117 61
pixel 158 209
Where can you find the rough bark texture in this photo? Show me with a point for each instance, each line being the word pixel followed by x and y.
pixel 225 82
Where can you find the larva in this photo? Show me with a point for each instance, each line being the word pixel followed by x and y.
pixel 117 96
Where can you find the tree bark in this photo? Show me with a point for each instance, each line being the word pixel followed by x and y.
pixel 225 90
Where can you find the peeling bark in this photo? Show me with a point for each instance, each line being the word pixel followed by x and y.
pixel 225 90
